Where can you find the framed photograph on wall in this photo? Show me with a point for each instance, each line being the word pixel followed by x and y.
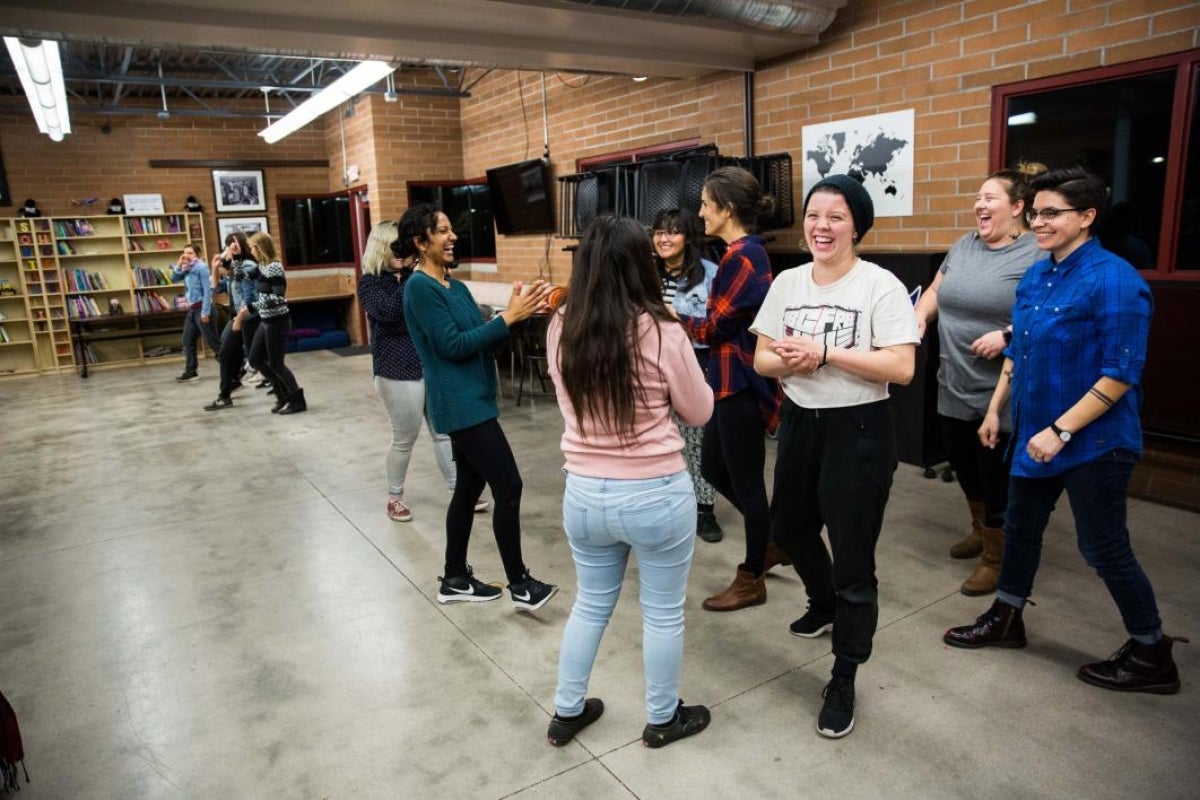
pixel 247 225
pixel 239 190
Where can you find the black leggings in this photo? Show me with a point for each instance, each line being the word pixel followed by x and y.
pixel 482 455
pixel 982 472
pixel 267 351
pixel 732 459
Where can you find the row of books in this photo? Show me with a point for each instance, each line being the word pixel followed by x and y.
pixel 151 276
pixel 150 302
pixel 82 308
pixel 4 337
pixel 83 281
pixel 172 224
pixel 73 227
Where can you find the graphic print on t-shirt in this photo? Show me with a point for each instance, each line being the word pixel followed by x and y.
pixel 833 326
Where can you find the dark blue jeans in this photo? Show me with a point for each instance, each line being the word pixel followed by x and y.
pixel 1097 492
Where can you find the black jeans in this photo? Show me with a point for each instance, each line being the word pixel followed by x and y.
pixel 231 355
pixel 982 472
pixel 267 351
pixel 834 469
pixel 732 459
pixel 482 455
pixel 193 329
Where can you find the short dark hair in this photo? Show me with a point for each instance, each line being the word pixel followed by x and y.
pixel 1080 188
pixel 737 189
pixel 415 225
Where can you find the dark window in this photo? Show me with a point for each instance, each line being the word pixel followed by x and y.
pixel 1126 124
pixel 316 230
pixel 469 208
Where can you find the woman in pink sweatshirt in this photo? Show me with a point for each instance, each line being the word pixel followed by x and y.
pixel 621 364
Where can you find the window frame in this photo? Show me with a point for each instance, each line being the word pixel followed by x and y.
pixel 464 182
pixel 1187 66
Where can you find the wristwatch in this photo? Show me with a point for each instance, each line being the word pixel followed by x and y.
pixel 1065 436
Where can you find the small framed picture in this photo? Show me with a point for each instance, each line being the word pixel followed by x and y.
pixel 239 190
pixel 247 225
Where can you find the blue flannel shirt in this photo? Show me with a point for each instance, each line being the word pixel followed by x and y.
pixel 1074 322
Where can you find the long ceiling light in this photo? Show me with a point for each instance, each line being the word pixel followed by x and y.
pixel 366 74
pixel 40 68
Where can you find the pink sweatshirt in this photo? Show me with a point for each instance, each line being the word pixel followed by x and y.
pixel 673 381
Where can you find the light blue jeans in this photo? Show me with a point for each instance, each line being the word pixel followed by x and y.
pixel 604 519
pixel 405 404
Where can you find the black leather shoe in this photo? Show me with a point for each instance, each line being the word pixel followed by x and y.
pixel 707 527
pixel 999 626
pixel 562 731
pixel 688 721
pixel 1136 667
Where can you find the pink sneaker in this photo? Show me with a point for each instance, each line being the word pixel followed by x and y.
pixel 397 511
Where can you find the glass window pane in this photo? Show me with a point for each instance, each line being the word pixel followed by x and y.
pixel 1187 257
pixel 1118 129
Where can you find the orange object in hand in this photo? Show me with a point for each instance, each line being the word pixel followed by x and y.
pixel 557 296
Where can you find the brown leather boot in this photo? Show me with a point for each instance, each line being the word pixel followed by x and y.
pixel 775 557
pixel 987 572
pixel 971 545
pixel 746 590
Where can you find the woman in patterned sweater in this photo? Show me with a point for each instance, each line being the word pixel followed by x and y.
pixel 267 349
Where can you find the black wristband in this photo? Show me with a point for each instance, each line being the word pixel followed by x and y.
pixel 824 355
pixel 1007 337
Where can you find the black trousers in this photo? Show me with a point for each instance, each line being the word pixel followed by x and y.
pixel 234 345
pixel 482 455
pixel 834 469
pixel 267 351
pixel 732 459
pixel 982 472
pixel 193 329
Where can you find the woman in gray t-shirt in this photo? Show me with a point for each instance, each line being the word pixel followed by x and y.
pixel 972 298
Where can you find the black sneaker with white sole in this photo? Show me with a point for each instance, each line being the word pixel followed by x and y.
pixel 466 589
pixel 812 624
pixel 530 594
pixel 837 715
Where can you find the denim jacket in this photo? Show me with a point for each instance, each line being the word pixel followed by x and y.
pixel 693 301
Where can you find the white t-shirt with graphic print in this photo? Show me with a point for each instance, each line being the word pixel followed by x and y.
pixel 867 309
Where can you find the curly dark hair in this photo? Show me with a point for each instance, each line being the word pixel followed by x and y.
pixel 415 226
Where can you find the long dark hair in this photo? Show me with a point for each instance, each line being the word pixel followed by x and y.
pixel 685 221
pixel 613 282
pixel 243 245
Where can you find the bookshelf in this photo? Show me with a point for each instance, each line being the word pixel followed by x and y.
pixel 18 353
pixel 72 269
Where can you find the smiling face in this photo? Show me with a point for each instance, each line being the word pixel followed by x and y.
pixel 439 249
pixel 1067 230
pixel 189 255
pixel 829 229
pixel 997 216
pixel 716 219
pixel 670 244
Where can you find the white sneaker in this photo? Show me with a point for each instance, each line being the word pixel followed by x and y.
pixel 481 505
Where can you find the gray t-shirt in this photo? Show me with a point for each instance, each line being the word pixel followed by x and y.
pixel 976 297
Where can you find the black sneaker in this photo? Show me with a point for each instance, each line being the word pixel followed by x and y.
pixel 837 715
pixel 563 729
pixel 466 589
pixel 530 594
pixel 812 624
pixel 219 403
pixel 187 376
pixel 707 527
pixel 263 384
pixel 688 721
pixel 236 385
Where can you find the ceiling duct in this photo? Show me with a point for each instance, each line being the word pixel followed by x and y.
pixel 801 17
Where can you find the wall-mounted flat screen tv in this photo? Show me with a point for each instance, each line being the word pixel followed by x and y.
pixel 521 201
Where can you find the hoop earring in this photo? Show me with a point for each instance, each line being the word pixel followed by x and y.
pixel 417 259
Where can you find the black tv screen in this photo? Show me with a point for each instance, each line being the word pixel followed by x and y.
pixel 521 201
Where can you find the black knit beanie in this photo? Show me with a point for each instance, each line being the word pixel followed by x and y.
pixel 862 208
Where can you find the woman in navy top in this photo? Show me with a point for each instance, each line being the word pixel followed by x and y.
pixel 1073 372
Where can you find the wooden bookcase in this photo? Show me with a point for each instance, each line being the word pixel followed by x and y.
pixel 71 268
pixel 18 352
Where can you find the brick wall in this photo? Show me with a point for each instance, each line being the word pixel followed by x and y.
pixel 90 163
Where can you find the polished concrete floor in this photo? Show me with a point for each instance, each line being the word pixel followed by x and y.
pixel 198 605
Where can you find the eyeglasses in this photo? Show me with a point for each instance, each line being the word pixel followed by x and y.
pixel 665 234
pixel 1048 214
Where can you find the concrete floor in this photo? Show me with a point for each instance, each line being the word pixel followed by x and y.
pixel 215 605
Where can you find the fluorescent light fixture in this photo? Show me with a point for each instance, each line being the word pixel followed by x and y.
pixel 366 74
pixel 1157 160
pixel 640 78
pixel 1028 118
pixel 40 69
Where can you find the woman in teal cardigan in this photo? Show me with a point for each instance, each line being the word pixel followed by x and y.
pixel 456 348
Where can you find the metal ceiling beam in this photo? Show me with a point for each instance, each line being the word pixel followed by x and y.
pixel 217 83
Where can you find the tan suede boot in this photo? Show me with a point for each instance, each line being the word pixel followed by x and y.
pixel 775 557
pixel 746 590
pixel 972 544
pixel 987 573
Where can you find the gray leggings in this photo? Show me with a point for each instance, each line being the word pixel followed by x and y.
pixel 405 404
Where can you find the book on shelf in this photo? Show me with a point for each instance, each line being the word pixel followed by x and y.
pixel 136 246
pixel 83 308
pixel 73 227
pixel 66 248
pixel 150 276
pixel 4 337
pixel 151 303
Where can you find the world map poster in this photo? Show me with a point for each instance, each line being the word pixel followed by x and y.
pixel 877 150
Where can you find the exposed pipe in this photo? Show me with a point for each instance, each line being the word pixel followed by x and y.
pixel 807 17
pixel 748 109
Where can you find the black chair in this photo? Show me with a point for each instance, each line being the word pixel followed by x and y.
pixel 530 340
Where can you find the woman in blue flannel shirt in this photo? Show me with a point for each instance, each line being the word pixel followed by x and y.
pixel 1073 374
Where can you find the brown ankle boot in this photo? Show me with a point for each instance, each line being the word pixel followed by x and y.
pixel 971 545
pixel 775 557
pixel 987 573
pixel 747 589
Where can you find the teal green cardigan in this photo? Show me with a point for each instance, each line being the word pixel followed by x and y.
pixel 456 348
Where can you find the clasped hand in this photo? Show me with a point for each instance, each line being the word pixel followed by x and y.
pixel 801 355
pixel 526 301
